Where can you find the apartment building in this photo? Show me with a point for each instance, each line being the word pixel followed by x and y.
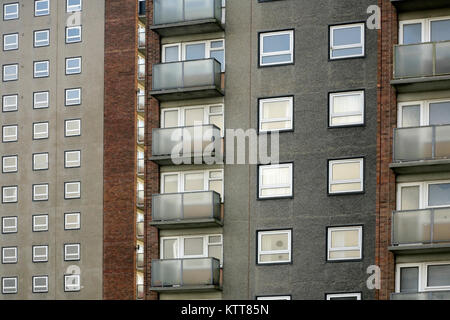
pixel 73 108
pixel 413 213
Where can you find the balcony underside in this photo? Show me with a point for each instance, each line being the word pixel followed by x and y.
pixel 167 160
pixel 420 248
pixel 188 27
pixel 187 223
pixel 413 5
pixel 200 288
pixel 421 166
pixel 407 85
pixel 187 93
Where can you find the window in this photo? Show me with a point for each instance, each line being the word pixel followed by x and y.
pixel 9 225
pixel 73 65
pixel 347 41
pixel 40 161
pixel 40 253
pixel 40 100
pixel 40 284
pixel 191 181
pixel 346 108
pixel 40 130
pixel 276 114
pixel 40 192
pixel 72 282
pixel 10 133
pixel 423 195
pixel 74 5
pixel 72 190
pixel 41 8
pixel 273 298
pixel 9 255
pixel 10 72
pixel 423 113
pixel 345 176
pixel 274 246
pixel 41 69
pixel 344 243
pixel 72 221
pixel 72 159
pixel 9 164
pixel 424 30
pixel 9 285
pixel 11 11
pixel 73 96
pixel 199 246
pixel 40 223
pixel 73 34
pixel 422 277
pixel 41 38
pixel 72 127
pixel 276 48
pixel 10 103
pixel 344 296
pixel 10 41
pixel 275 181
pixel 72 252
pixel 9 194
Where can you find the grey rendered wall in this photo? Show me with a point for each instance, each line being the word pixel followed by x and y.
pixel 310 145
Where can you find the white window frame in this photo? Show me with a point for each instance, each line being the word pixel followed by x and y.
pixel 67 132
pixel 72 226
pixel 262 35
pixel 262 187
pixel 290 119
pixel 36 155
pixel 423 193
pixel 41 43
pixel 38 135
pixel 423 273
pixel 9 229
pixel 11 46
pixel 347 228
pixel 73 70
pixel 40 288
pixel 74 8
pixel 274 298
pixel 72 102
pixel 41 12
pixel 10 77
pixel 40 227
pixel 10 16
pixel 68 287
pixel 40 258
pixel 73 39
pixel 361 44
pixel 72 164
pixel 40 196
pixel 9 290
pixel 41 74
pixel 333 115
pixel 15 197
pixel 426 27
pixel 424 106
pixel 7 107
pixel 9 259
pixel 356 295
pixel 9 169
pixel 10 138
pixel 41 104
pixel 288 251
pixel 67 195
pixel 72 256
pixel 341 161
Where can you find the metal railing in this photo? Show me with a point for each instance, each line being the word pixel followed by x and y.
pixel 421 143
pixel 177 11
pixel 140 166
pixel 185 272
pixel 140 198
pixel 422 226
pixel 188 205
pixel 141 102
pixel 421 60
pixel 429 295
pixel 140 229
pixel 141 71
pixel 141 39
pixel 140 260
pixel 140 134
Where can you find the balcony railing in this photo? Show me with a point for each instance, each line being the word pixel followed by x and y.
pixel 186 206
pixel 141 103
pixel 140 260
pixel 423 226
pixel 422 60
pixel 139 291
pixel 429 295
pixel 422 143
pixel 141 39
pixel 186 141
pixel 141 71
pixel 199 77
pixel 140 134
pixel 178 11
pixel 140 229
pixel 185 273
pixel 140 166
pixel 140 198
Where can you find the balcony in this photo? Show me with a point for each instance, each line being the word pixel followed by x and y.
pixel 141 42
pixel 418 5
pixel 429 295
pixel 141 72
pixel 139 291
pixel 422 67
pixel 140 229
pixel 140 134
pixel 140 198
pixel 186 275
pixel 186 210
pixel 421 230
pixel 421 149
pixel 140 166
pixel 141 103
pixel 187 80
pixel 182 17
pixel 188 145
pixel 140 260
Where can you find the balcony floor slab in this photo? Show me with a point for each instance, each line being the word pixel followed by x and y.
pixel 188 27
pixel 420 248
pixel 201 288
pixel 187 93
pixel 421 166
pixel 408 85
pixel 187 223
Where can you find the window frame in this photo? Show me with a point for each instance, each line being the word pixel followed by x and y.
pixel 68 286
pixel 65 190
pixel 66 228
pixel 261 167
pixel 10 126
pixel 67 38
pixel 362 43
pixel 331 96
pixel 352 227
pixel 16 288
pixel 261 101
pixel 34 130
pixel 16 228
pixel 16 47
pixel 36 227
pixel 34 155
pixel 34 284
pixel 35 258
pixel 13 259
pixel 424 107
pixel 16 191
pixel 425 24
pixel 422 275
pixel 65 159
pixel 346 160
pixel 16 65
pixel 16 4
pixel 259 252
pixel 65 128
pixel 68 6
pixel 16 106
pixel 34 195
pixel 274 297
pixel 291 50
pixel 67 73
pixel 36 73
pixel 423 193
pixel 17 163
pixel 77 102
pixel 357 295
pixel 78 256
pixel 36 43
pixel 40 93
pixel 47 12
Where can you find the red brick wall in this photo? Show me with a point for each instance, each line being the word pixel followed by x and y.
pixel 119 150
pixel 152 169
pixel 387 120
